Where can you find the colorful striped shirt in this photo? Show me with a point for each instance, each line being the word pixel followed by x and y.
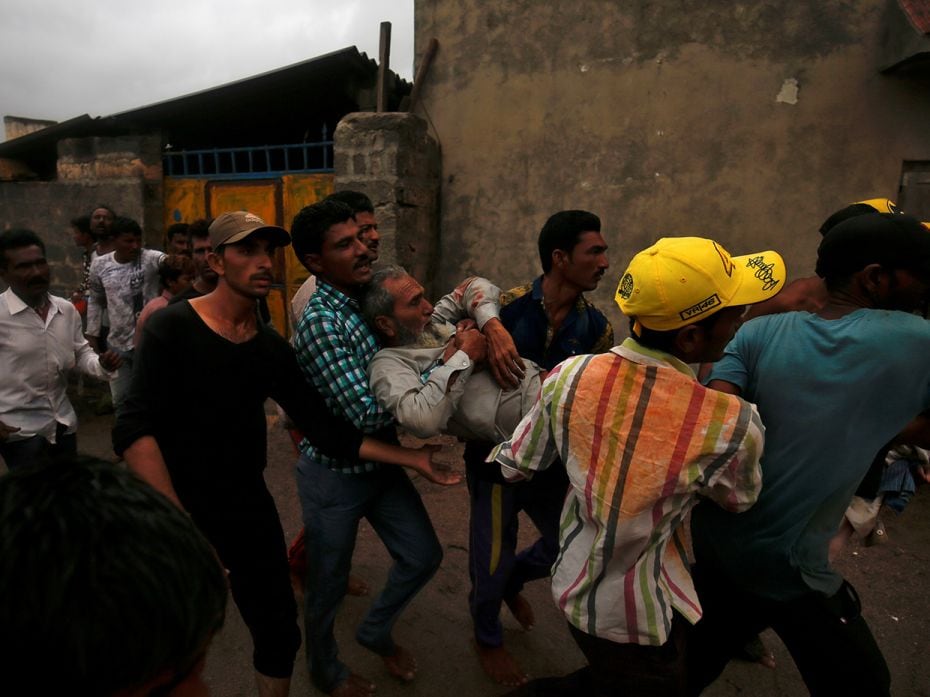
pixel 640 439
pixel 334 347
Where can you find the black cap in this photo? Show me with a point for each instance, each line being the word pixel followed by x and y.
pixel 893 240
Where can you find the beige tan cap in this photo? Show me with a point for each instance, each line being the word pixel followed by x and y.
pixel 680 280
pixel 235 226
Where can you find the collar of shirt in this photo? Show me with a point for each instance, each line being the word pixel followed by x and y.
pixel 580 303
pixel 632 350
pixel 335 298
pixel 16 305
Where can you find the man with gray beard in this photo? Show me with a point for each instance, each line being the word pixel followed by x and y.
pixel 431 376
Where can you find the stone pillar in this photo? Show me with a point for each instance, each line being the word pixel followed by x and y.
pixel 391 158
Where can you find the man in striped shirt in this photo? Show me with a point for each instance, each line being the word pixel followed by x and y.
pixel 642 440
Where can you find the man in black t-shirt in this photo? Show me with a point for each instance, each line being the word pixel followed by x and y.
pixel 200 437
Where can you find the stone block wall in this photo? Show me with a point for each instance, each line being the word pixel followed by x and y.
pixel 47 208
pixel 391 158
pixel 123 173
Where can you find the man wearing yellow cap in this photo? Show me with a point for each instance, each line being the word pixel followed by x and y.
pixel 641 440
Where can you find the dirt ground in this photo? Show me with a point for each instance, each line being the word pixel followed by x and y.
pixel 437 628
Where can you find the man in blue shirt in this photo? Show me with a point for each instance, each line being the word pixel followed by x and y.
pixel 832 387
pixel 549 320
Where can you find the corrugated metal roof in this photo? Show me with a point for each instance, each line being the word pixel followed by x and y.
pixel 283 105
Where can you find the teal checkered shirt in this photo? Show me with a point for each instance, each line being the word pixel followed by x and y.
pixel 334 347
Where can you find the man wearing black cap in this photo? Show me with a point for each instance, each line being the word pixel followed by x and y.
pixel 200 437
pixel 830 394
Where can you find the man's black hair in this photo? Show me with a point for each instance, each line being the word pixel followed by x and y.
pixel 199 229
pixel 17 238
pixel 82 224
pixel 173 266
pixel 356 200
pixel 850 211
pixel 665 340
pixel 312 222
pixel 893 241
pixel 105 207
pixel 105 584
pixel 122 225
pixel 177 229
pixel 562 231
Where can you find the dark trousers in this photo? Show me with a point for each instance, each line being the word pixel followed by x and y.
pixel 618 670
pixel 37 450
pixel 495 568
pixel 250 543
pixel 333 503
pixel 829 640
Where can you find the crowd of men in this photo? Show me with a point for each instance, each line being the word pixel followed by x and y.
pixel 677 517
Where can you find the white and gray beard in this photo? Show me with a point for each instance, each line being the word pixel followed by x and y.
pixel 434 336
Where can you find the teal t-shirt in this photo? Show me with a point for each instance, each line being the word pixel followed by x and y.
pixel 830 393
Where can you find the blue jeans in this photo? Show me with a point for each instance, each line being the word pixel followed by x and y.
pixel 333 503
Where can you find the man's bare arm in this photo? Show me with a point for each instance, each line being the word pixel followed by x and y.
pixel 724 386
pixel 503 358
pixel 420 460
pixel 145 459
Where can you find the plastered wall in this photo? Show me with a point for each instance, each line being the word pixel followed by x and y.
pixel 745 122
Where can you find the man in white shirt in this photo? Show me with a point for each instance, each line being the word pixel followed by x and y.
pixel 40 341
pixel 122 282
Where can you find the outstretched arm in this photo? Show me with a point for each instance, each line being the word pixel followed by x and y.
pixel 420 460
pixel 145 459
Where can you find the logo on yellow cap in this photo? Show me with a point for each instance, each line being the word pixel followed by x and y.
pixel 625 289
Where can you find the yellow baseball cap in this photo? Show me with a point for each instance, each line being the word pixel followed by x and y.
pixel 882 205
pixel 680 280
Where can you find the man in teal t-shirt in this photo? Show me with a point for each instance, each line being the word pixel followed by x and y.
pixel 832 388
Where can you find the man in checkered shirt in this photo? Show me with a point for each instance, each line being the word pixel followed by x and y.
pixel 334 347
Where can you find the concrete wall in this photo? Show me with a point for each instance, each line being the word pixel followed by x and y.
pixel 748 122
pixel 124 173
pixel 47 208
pixel 391 158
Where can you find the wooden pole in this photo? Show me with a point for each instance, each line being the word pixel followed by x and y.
pixel 384 65
pixel 422 72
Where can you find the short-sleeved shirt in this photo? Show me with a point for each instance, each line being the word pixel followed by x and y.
pixel 640 439
pixel 122 290
pixel 831 393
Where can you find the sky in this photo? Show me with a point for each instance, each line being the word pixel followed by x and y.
pixel 64 58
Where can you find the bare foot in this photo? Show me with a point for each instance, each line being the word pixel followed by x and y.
pixel 357 586
pixel 500 666
pixel 755 651
pixel 522 610
pixel 297 585
pixel 402 665
pixel 354 686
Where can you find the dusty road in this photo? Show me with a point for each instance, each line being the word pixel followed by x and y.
pixel 890 578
